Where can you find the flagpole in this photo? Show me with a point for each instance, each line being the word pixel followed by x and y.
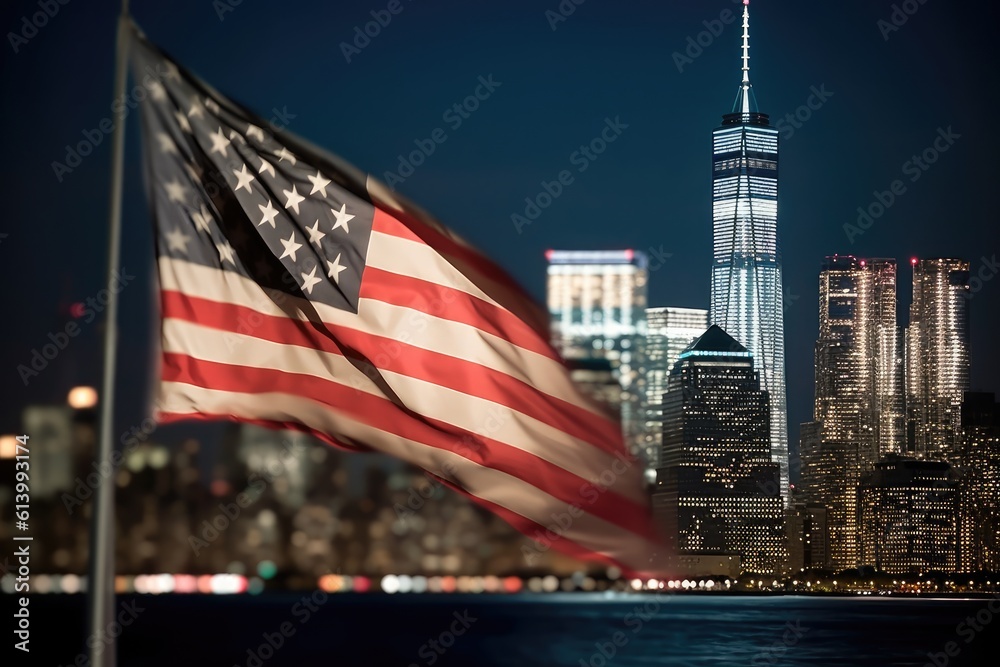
pixel 101 579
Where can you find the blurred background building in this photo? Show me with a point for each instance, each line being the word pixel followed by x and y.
pixel 597 303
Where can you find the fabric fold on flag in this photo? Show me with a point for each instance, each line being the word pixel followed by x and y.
pixel 297 291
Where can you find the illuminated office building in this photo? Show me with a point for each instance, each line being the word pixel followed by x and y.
pixel 858 412
pixel 746 263
pixel 937 356
pixel 979 459
pixel 717 488
pixel 668 333
pixel 908 515
pixel 597 303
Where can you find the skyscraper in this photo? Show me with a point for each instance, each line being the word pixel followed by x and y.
pixel 718 490
pixel 908 514
pixel 597 304
pixel 668 332
pixel 858 400
pixel 979 459
pixel 746 264
pixel 937 356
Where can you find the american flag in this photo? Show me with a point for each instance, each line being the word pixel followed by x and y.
pixel 299 292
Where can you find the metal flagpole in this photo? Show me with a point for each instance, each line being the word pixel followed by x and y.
pixel 101 579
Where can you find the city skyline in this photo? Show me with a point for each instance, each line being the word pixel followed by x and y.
pixel 502 152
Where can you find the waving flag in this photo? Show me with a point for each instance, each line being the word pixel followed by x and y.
pixel 298 292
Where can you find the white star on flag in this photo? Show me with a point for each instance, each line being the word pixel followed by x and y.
pixel 166 143
pixel 309 280
pixel 343 217
pixel 201 218
pixel 225 252
pixel 290 247
pixel 315 234
pixel 269 212
pixel 293 199
pixel 219 142
pixel 182 121
pixel 335 268
pixel 175 190
pixel 177 240
pixel 256 132
pixel 243 178
pixel 157 91
pixel 319 184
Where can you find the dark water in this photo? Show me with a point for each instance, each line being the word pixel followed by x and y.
pixel 566 629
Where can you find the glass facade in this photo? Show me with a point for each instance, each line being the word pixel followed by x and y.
pixel 937 356
pixel 668 332
pixel 908 511
pixel 980 463
pixel 717 488
pixel 747 292
pixel 597 304
pixel 858 413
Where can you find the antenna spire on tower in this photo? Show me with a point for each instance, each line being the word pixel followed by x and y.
pixel 743 97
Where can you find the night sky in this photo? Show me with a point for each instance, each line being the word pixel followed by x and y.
pixel 650 189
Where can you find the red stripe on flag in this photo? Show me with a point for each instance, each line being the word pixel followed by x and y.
pixel 471 263
pixel 374 411
pixel 441 369
pixel 522 524
pixel 452 304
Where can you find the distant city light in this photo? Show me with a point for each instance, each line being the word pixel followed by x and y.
pixel 8 446
pixel 81 398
